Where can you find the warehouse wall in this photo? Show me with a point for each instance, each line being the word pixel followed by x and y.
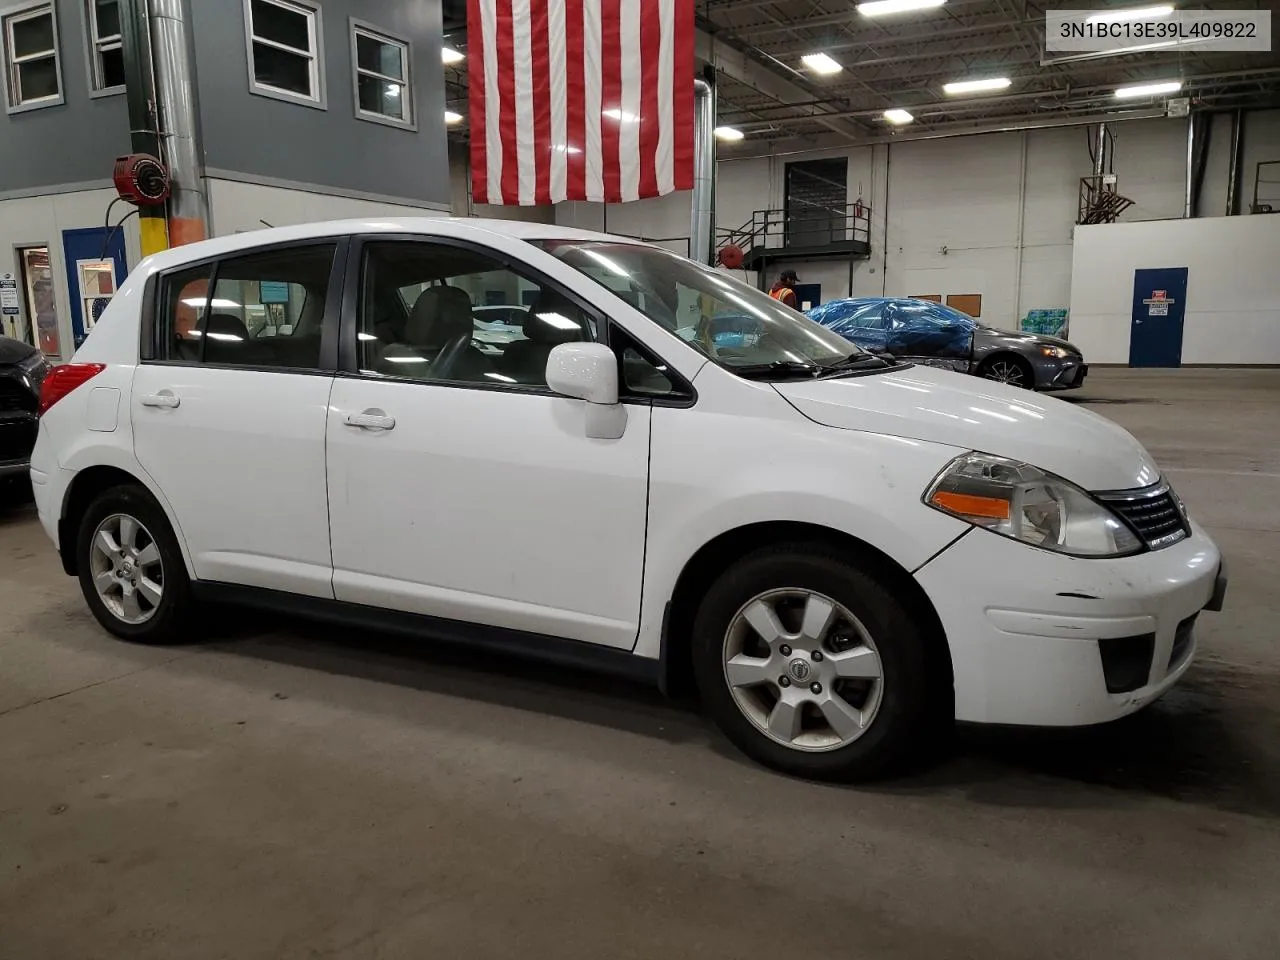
pixel 1233 293
pixel 1005 220
pixel 236 207
pixel 39 221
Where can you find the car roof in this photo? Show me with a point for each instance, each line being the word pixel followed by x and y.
pixel 474 228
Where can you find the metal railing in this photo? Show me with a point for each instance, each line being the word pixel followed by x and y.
pixel 774 229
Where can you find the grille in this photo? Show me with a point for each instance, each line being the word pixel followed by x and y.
pixel 14 396
pixel 1154 513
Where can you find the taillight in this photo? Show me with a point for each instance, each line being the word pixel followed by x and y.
pixel 61 380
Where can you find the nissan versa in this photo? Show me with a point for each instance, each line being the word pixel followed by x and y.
pixel 839 550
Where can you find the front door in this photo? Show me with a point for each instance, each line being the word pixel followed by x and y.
pixel 808 295
pixel 228 413
pixel 459 486
pixel 95 269
pixel 1159 304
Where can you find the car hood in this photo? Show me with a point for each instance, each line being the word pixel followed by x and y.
pixel 922 403
pixel 13 351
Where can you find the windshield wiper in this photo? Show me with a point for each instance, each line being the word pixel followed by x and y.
pixel 777 368
pixel 856 361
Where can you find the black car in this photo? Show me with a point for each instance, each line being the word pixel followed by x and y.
pixel 22 370
pixel 933 334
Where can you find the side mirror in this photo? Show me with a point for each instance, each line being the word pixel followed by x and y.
pixel 589 371
pixel 584 371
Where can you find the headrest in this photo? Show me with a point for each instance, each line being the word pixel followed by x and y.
pixel 440 315
pixel 553 319
pixel 226 328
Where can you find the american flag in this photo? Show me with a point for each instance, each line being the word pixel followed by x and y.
pixel 580 99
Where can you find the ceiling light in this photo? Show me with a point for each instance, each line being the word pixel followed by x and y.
pixel 565 148
pixel 976 86
pixel 450 55
pixel 877 8
pixel 216 303
pixel 1132 13
pixel 729 134
pixel 1149 89
pixel 393 89
pixel 898 117
pixel 558 320
pixel 451 117
pixel 622 116
pixel 821 63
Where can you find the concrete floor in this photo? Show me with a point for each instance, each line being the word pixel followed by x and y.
pixel 290 791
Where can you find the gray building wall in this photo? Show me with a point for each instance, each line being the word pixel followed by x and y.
pixel 74 142
pixel 266 140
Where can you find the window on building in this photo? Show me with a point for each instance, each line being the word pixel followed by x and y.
pixel 423 317
pixel 106 48
pixel 33 75
pixel 383 90
pixel 261 310
pixel 284 50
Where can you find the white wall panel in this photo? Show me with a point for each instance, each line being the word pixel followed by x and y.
pixel 1233 292
pixel 236 207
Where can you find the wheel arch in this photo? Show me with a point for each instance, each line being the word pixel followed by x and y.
pixel 719 553
pixel 1006 354
pixel 85 487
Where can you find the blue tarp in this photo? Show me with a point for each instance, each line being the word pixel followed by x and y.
pixel 904 328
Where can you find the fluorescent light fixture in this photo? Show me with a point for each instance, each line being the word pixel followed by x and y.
pixel 622 116
pixel 878 8
pixel 501 376
pixel 558 320
pixel 365 336
pixel 451 118
pixel 898 117
pixel 729 134
pixel 976 86
pixel 450 55
pixel 215 303
pixel 406 359
pixel 565 148
pixel 393 89
pixel 1148 89
pixel 821 63
pixel 1131 13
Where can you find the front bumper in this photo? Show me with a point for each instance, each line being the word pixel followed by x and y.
pixel 1043 639
pixel 1061 374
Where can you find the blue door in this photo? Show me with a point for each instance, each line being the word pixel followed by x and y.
pixel 807 295
pixel 1155 330
pixel 95 269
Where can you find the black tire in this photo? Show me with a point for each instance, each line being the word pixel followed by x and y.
pixel 991 367
pixel 168 623
pixel 908 720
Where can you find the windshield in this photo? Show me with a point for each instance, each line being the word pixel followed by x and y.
pixel 738 327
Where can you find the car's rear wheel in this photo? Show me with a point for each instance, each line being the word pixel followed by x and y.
pixel 810 664
pixel 1012 370
pixel 131 569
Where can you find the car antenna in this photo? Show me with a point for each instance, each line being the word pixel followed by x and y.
pixel 265 224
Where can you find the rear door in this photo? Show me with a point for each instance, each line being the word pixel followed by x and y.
pixel 228 409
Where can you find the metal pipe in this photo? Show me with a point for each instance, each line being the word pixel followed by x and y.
pixel 1187 202
pixel 1022 217
pixel 1099 159
pixel 175 74
pixel 1235 161
pixel 702 219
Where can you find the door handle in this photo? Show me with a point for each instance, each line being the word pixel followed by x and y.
pixel 370 420
pixel 163 399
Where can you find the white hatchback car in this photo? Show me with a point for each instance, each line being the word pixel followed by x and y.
pixel 839 551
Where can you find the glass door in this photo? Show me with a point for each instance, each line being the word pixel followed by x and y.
pixel 40 325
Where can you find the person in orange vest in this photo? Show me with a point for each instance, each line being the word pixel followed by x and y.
pixel 784 289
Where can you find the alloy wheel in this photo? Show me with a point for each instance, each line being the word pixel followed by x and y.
pixel 128 573
pixel 803 669
pixel 1006 371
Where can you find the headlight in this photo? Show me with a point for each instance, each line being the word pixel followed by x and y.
pixel 1057 352
pixel 1020 501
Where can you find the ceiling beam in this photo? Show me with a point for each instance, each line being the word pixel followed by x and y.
pixel 726 57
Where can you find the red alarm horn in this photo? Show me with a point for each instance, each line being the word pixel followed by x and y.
pixel 141 179
pixel 730 256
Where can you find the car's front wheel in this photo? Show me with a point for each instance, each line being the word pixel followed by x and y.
pixel 131 569
pixel 812 665
pixel 1010 370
